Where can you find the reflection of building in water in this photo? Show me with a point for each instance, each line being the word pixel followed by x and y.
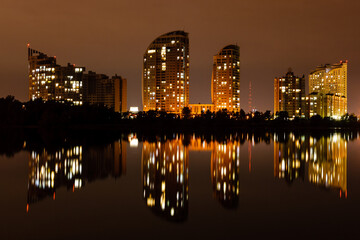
pixel 72 167
pixel 198 144
pixel 225 172
pixel 328 162
pixel 165 172
pixel 326 158
pixel 289 159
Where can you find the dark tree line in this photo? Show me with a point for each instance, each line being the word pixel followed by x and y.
pixel 52 113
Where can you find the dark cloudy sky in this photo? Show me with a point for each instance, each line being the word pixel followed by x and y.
pixel 110 36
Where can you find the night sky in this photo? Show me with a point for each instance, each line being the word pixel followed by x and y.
pixel 111 36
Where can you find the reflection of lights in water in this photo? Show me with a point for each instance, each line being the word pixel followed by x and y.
pixel 225 161
pixel 326 158
pixel 134 142
pixel 165 178
pixel 49 171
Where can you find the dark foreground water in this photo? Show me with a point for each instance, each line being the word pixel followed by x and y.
pixel 175 186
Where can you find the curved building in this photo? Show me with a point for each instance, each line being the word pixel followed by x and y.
pixel 165 78
pixel 225 82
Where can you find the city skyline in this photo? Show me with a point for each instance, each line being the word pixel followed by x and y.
pixel 169 119
pixel 268 43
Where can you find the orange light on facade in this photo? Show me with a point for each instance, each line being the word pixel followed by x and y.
pixel 54 196
pixel 27 208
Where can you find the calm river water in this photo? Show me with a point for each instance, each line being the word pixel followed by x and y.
pixel 177 186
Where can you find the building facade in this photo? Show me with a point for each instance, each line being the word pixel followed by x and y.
pixel 165 78
pixel 198 109
pixel 225 81
pixel 329 79
pixel 111 92
pixel 50 81
pixel 328 90
pixel 289 92
pixel 327 105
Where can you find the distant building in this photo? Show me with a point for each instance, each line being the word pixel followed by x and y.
pixel 328 88
pixel 225 82
pixel 134 109
pixel 50 81
pixel 327 105
pixel 101 90
pixel 329 79
pixel 198 109
pixel 289 92
pixel 165 79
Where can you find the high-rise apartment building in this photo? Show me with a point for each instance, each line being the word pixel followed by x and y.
pixel 225 82
pixel 102 90
pixel 329 79
pixel 326 105
pixel 50 81
pixel 165 79
pixel 289 92
pixel 328 90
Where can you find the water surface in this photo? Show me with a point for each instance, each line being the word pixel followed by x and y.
pixel 181 186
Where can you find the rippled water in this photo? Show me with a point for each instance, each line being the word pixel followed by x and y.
pixel 180 186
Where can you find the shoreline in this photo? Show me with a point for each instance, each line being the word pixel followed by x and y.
pixel 198 125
